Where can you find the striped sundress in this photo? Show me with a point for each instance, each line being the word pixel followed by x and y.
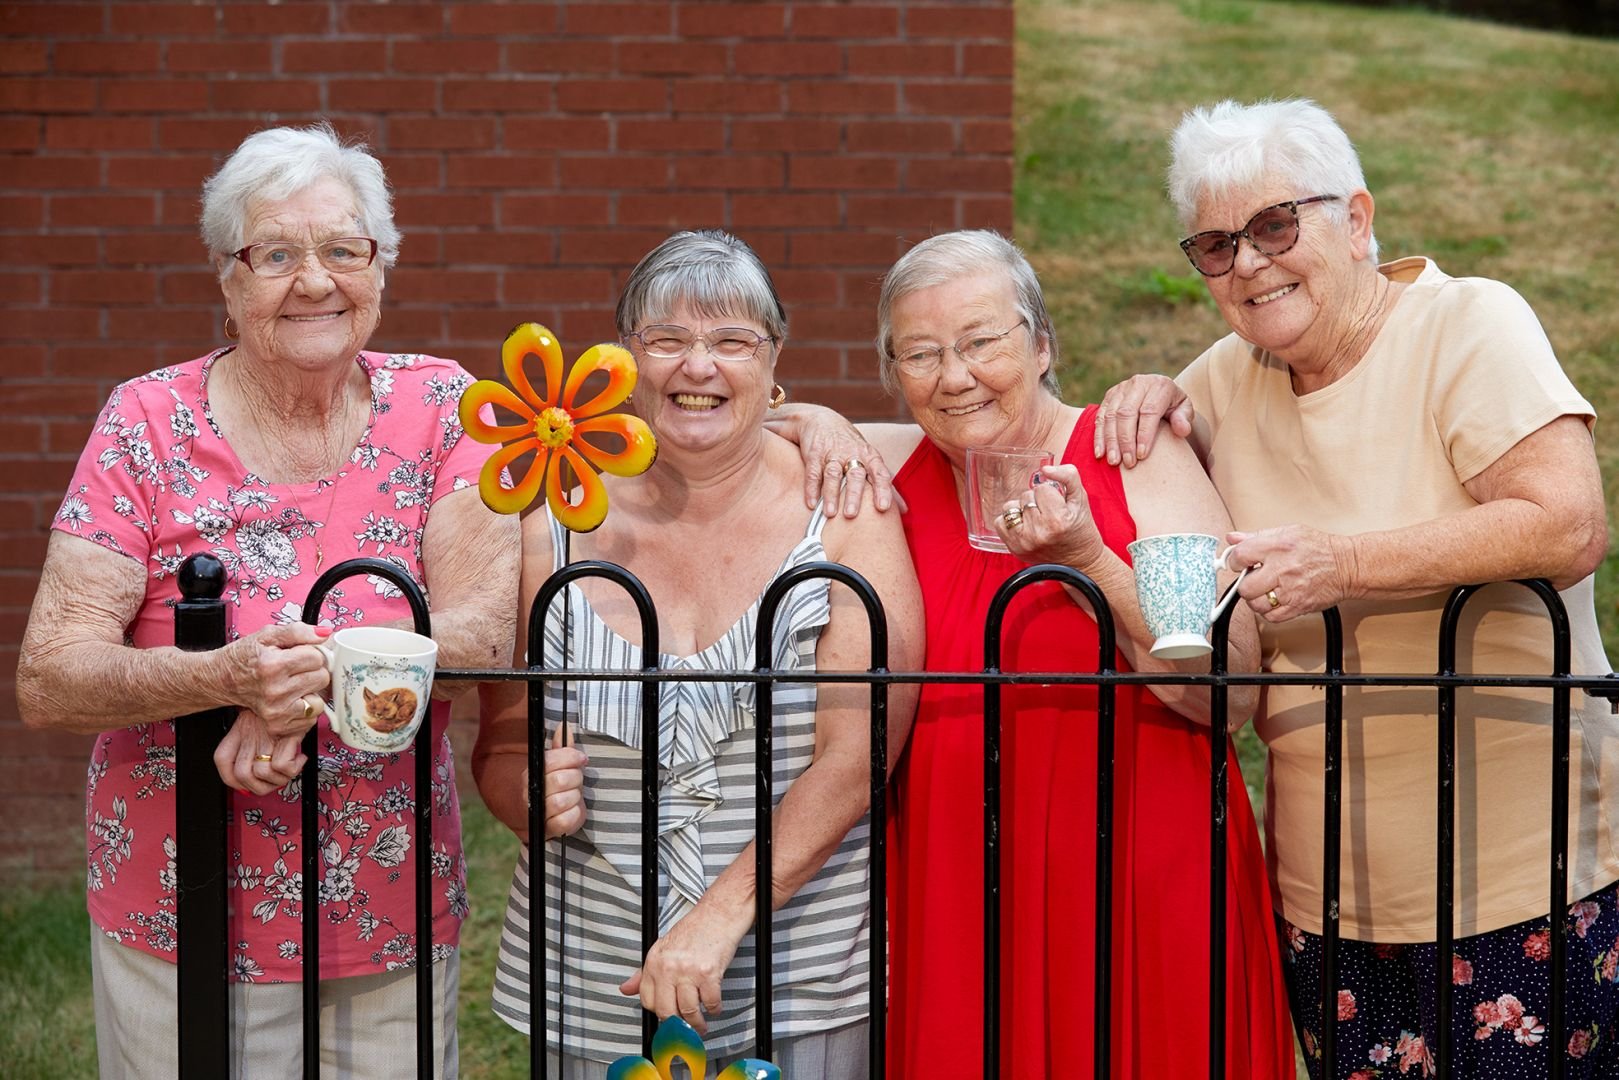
pixel 706 819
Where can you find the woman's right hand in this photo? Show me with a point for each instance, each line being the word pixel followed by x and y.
pixel 564 787
pixel 278 674
pixel 1127 419
pixel 249 758
pixel 829 444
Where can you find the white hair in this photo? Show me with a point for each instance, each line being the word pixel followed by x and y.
pixel 276 164
pixel 952 255
pixel 1216 148
pixel 710 270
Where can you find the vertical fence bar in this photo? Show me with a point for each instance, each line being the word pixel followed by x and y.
pixel 1332 820
pixel 1219 804
pixel 201 868
pixel 310 838
pixel 1101 1020
pixel 1445 823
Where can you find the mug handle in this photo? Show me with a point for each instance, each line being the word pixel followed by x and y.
pixel 331 672
pixel 1231 590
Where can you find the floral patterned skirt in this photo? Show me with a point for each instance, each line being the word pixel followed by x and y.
pixel 1499 1000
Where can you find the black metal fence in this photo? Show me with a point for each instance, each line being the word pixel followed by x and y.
pixel 203 873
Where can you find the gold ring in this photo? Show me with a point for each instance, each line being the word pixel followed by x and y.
pixel 1013 517
pixel 309 710
pixel 261 757
pixel 1275 601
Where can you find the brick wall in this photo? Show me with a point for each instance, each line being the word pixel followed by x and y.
pixel 537 149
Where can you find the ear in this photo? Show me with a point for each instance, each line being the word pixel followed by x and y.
pixel 1042 352
pixel 1362 208
pixel 369 696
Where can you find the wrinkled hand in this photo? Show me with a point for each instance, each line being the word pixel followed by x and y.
pixel 829 443
pixel 274 670
pixel 1308 570
pixel 684 969
pixel 238 756
pixel 564 786
pixel 1056 524
pixel 1127 419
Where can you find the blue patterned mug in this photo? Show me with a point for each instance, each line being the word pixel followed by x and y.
pixel 381 680
pixel 1175 587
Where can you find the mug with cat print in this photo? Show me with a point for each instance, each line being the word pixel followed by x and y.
pixel 381 680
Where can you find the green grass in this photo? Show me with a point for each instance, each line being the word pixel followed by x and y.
pixel 49 1031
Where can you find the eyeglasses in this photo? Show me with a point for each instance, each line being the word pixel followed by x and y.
pixel 977 347
pixel 344 255
pixel 1272 231
pixel 732 344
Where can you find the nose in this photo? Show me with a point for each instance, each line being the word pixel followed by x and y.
pixel 955 374
pixel 1249 260
pixel 698 361
pixel 312 279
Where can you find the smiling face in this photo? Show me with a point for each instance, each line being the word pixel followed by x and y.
pixel 995 402
pixel 311 319
pixel 1294 304
pixel 696 402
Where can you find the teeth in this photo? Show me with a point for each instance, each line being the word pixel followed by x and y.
pixel 963 410
pixel 697 401
pixel 314 318
pixel 1268 297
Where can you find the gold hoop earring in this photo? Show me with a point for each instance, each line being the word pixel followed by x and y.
pixel 779 397
pixel 230 328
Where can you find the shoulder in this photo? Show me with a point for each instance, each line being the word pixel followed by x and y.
pixel 160 386
pixel 895 442
pixel 438 378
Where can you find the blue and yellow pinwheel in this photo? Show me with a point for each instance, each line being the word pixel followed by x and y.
pixel 676 1039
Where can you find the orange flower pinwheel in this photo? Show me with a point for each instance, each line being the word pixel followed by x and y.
pixel 554 426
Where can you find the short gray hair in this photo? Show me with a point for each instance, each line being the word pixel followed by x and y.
pixel 277 163
pixel 1229 145
pixel 714 272
pixel 946 257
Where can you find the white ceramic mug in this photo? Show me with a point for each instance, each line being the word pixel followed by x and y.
pixel 1175 587
pixel 381 681
pixel 997 475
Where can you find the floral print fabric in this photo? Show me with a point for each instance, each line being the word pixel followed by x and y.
pixel 1500 998
pixel 158 482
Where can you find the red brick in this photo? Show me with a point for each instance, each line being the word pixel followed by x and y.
pixel 959 99
pixel 587 324
pixel 21 362
pixel 44 249
pixel 22 57
pixel 46 20
pixel 856 400
pixel 851 22
pixel 557 286
pixel 161 324
pixel 530 211
pixel 807 361
pixel 911 59
pixel 52 171
pixel 842 98
pixel 783 210
pixel 672 211
pixel 69 436
pixel 788 58
pixel 732 98
pixel 21 211
pixel 163 20
pixel 907 211
pixel 613 171
pixel 639 20
pixel 113 364
pixel 806 287
pixel 337 57
pixel 182 172
pixel 796 135
pixel 544 57
pixel 987 212
pixel 983 61
pixel 409 329
pixel 20 288
pixel 834 323
pixel 610 246
pixel 732 171
pixel 201 287
pixel 438 57
pixel 498 95
pixel 732 20
pixel 46 95
pixel 205 56
pixel 960 21
pixel 485 328
pixel 22 550
pixel 104 286
pixel 163 249
pixel 504 19
pixel 20 511
pixel 55 398
pixel 441 133
pixel 613 95
pixel 556 133
pixel 179 208
pixel 956 174
pixel 844 172
pixel 845 249
pixel 231 95
pixel 382 94
pixel 684 135
pixel 669 58
pixel 421 211
pixel 507 247
pixel 443 286
pixel 502 171
pixel 413 170
pixel 102 210
pixel 394 18
pixel 901 136
pixel 19 133
pixel 986 136
pixel 99 57
pixel 277 19
pixel 154 95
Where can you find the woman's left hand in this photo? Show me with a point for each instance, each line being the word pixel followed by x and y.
pixel 249 758
pixel 684 970
pixel 1298 570
pixel 1052 523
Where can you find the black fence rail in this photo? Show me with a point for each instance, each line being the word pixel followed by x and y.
pixel 203 874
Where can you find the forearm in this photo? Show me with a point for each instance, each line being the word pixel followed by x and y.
pixel 96 686
pixel 500 782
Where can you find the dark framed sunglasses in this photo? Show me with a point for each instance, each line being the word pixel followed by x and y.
pixel 1272 231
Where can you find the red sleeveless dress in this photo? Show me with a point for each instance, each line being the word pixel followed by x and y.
pixel 1161 816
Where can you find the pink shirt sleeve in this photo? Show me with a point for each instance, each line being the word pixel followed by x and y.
pixel 466 455
pixel 111 498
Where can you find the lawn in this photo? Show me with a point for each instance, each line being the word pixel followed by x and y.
pixel 1489 148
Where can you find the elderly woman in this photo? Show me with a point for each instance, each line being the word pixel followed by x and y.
pixel 1382 434
pixel 964 333
pixel 706 530
pixel 282 454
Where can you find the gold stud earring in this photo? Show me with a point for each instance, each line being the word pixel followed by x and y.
pixel 779 397
pixel 230 328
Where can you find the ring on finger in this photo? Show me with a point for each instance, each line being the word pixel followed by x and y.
pixel 1275 601
pixel 310 709
pixel 1013 516
pixel 854 463
pixel 262 757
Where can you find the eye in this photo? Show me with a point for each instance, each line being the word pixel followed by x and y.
pixel 275 256
pixel 920 356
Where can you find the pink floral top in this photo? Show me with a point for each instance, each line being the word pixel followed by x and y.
pixel 158 482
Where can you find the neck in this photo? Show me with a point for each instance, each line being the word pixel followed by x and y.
pixel 289 426
pixel 1351 336
pixel 712 485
